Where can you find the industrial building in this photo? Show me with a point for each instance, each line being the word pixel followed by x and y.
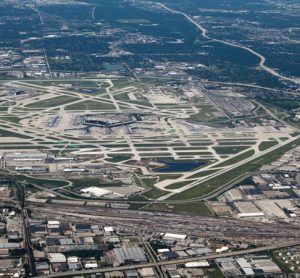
pixel 126 254
pixel 248 209
pixel 270 208
pixel 175 236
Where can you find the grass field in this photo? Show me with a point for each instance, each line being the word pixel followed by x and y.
pixel 216 273
pixel 177 185
pixel 118 158
pixel 163 177
pixel 154 193
pixel 236 159
pixel 20 147
pixel 87 182
pixel 203 174
pixel 266 145
pixel 52 102
pixel 236 143
pixel 122 97
pixel 6 133
pixel 230 150
pixel 41 182
pixel 90 105
pixel 12 119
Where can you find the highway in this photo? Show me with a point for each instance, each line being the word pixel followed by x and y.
pixel 177 261
pixel 262 59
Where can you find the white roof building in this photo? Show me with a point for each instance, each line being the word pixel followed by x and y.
pixel 54 222
pixel 202 263
pixel 266 265
pixel 108 229
pixel 90 265
pixel 57 258
pixel 175 236
pixel 251 214
pixel 73 259
pixel 147 272
pixel 248 271
pixel 163 250
pixel 222 249
pixel 242 262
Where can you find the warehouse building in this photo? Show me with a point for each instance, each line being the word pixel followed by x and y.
pixel 248 209
pixel 170 236
pixel 270 208
pixel 126 254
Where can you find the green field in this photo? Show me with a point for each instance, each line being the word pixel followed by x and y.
pixel 154 193
pixel 216 273
pixel 236 159
pixel 41 182
pixel 122 97
pixel 266 145
pixel 203 174
pixel 178 185
pixel 90 105
pixel 6 133
pixel 230 150
pixel 52 102
pixel 163 177
pixel 20 147
pixel 118 158
pixel 12 119
pixel 87 182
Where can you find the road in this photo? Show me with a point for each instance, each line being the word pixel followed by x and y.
pixel 152 258
pixel 93 13
pixel 262 59
pixel 26 234
pixel 177 261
